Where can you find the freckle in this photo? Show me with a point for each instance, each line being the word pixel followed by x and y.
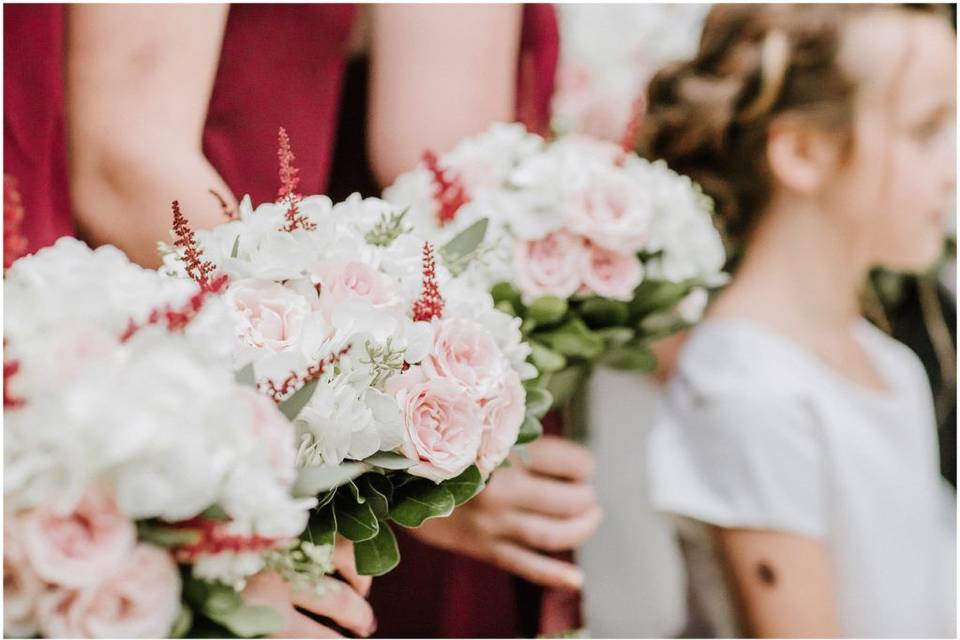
pixel 766 574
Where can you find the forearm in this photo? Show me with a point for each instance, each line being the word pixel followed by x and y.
pixel 123 197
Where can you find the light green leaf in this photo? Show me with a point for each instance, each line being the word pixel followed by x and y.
pixel 292 406
pixel 392 461
pixel 315 480
pixel 236 248
pixel 630 359
pixel 574 338
pixel 378 555
pixel 530 430
pixel 464 486
pixel 547 310
pixel 655 294
pixel 419 500
pixel 219 599
pixel 527 326
pixel 164 536
pixel 246 376
pixel 507 307
pixel 462 245
pixel 506 292
pixel 562 385
pixel 539 402
pixel 546 360
pixel 616 336
pixel 181 627
pixel 250 622
pixel 355 521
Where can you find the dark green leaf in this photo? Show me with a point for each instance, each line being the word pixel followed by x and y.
pixel 539 402
pixel 322 527
pixel 547 310
pixel 601 312
pixel 376 490
pixel 291 406
pixel 354 521
pixel 164 536
pixel 655 294
pixel 464 243
pixel 378 555
pixel 544 359
pixel 420 500
pixel 506 292
pixel 464 486
pixel 530 430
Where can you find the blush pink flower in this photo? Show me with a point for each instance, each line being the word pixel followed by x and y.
pixel 610 274
pixel 613 212
pixel 80 548
pixel 273 316
pixel 21 585
pixel 274 433
pixel 549 266
pixel 503 413
pixel 465 352
pixel 442 424
pixel 140 600
pixel 343 281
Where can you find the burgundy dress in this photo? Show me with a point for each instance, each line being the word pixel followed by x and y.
pixel 34 138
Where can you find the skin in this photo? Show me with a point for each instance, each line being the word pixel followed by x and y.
pixel 831 218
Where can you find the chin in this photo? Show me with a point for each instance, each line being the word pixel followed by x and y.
pixel 916 259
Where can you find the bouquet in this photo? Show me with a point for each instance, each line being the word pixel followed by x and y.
pixel 405 384
pixel 143 483
pixel 598 251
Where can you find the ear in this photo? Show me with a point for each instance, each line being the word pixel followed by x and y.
pixel 800 158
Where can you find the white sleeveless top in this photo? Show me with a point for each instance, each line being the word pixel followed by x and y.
pixel 759 433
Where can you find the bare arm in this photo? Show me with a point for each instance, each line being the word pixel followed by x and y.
pixel 139 79
pixel 438 73
pixel 783 582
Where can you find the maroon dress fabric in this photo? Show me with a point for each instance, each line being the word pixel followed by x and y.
pixel 34 138
pixel 281 65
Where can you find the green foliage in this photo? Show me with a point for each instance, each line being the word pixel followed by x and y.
pixel 464 247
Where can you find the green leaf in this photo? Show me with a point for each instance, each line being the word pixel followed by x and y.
pixel 220 599
pixel 322 527
pixel 464 486
pixel 215 512
pixel 355 521
pixel 419 500
pixel 530 430
pixel 252 621
pixel 376 490
pixel 354 491
pixel 246 376
pixel 562 385
pixel 539 402
pixel 574 338
pixel 545 359
pixel 506 292
pixel 656 294
pixel 464 243
pixel 660 324
pixel 312 481
pixel 507 307
pixel 547 310
pixel 614 337
pixel 602 312
pixel 236 247
pixel 378 555
pixel 527 326
pixel 181 626
pixel 392 461
pixel 292 406
pixel 630 359
pixel 164 536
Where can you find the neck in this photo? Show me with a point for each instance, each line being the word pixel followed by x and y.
pixel 802 265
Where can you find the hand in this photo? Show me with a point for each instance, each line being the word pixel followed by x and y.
pixel 342 602
pixel 527 509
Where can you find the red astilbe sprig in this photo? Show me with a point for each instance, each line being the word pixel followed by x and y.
pixel 198 268
pixel 297 380
pixel 14 240
pixel 430 303
pixel 288 186
pixel 213 537
pixel 10 369
pixel 176 319
pixel 449 193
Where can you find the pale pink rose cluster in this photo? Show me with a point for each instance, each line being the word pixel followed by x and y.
pixel 83 574
pixel 462 405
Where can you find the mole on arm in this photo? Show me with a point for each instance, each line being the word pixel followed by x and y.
pixel 766 574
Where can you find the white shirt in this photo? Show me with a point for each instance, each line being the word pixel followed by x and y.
pixel 759 433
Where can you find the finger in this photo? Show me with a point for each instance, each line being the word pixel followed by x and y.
pixel 340 603
pixel 300 626
pixel 550 534
pixel 536 568
pixel 560 458
pixel 343 561
pixel 548 496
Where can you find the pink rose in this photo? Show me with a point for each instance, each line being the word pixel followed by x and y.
pixel 548 266
pixel 273 316
pixel 140 600
pixel 610 274
pixel 613 212
pixel 80 548
pixel 442 424
pixel 340 282
pixel 465 352
pixel 274 433
pixel 21 585
pixel 503 413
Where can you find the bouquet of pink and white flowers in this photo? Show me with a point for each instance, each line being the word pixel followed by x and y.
pixel 404 382
pixel 143 483
pixel 597 250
